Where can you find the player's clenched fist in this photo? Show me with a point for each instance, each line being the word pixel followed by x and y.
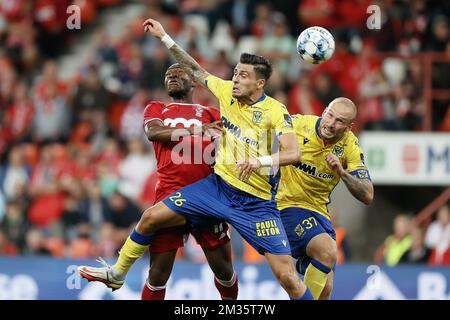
pixel 154 27
pixel 213 130
pixel 335 164
pixel 247 166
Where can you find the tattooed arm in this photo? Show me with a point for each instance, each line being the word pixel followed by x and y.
pixel 188 63
pixel 361 189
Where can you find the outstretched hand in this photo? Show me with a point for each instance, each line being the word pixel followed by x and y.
pixel 213 130
pixel 247 166
pixel 154 27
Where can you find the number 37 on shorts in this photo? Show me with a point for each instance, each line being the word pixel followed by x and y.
pixel 176 199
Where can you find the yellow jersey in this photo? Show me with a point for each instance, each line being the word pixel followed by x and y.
pixel 309 183
pixel 250 131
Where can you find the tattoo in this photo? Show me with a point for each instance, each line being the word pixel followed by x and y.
pixel 189 64
pixel 359 188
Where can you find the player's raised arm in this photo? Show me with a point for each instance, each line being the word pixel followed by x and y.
pixel 359 184
pixel 183 58
pixel 289 150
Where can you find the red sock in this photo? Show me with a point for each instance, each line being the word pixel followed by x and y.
pixel 228 292
pixel 153 293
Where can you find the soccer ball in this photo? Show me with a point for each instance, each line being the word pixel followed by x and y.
pixel 315 45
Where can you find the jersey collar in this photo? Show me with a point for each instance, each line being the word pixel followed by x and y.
pixel 317 126
pixel 259 100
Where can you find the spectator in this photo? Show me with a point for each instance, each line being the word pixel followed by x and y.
pixel 441 34
pixel 124 214
pixel 107 245
pixel 82 246
pixel 6 247
pixel 94 210
pixel 52 113
pixel 278 45
pixel 397 244
pixel 261 24
pixel 20 114
pixel 15 175
pixel 135 168
pixel 318 13
pixel 91 96
pixel 132 115
pixel 418 253
pixel 325 89
pixel 437 236
pixel 15 224
pixel 70 218
pixel 35 241
pixel 302 99
pixel 46 194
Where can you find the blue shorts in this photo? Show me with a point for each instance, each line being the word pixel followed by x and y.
pixel 301 226
pixel 212 199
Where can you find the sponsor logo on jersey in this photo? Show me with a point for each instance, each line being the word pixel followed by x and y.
pixel 312 171
pixel 237 132
pixel 185 122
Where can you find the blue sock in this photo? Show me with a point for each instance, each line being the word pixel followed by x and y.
pixel 306 296
pixel 141 239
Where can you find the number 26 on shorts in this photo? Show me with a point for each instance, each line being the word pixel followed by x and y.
pixel 176 198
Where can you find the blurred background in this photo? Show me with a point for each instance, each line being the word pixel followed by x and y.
pixel 76 170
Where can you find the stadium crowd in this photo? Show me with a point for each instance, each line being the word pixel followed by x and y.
pixel 76 169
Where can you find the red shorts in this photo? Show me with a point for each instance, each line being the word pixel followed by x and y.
pixel 169 239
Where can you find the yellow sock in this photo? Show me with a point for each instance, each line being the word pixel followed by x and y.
pixel 128 254
pixel 316 277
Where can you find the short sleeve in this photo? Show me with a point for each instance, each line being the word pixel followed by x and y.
pixel 355 162
pixel 281 121
pixel 215 113
pixel 153 111
pixel 220 88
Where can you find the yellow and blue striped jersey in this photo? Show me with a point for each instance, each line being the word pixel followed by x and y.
pixel 309 183
pixel 249 131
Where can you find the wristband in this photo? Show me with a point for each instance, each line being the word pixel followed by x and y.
pixel 168 41
pixel 266 161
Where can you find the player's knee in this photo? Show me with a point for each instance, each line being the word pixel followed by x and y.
pixel 147 224
pixel 327 255
pixel 223 271
pixel 158 276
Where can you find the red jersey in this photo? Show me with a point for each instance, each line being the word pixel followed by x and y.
pixel 182 162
